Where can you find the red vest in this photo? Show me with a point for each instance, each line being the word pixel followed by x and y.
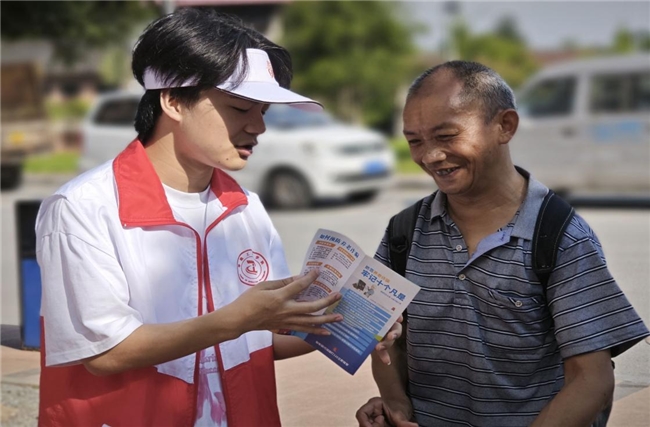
pixel 71 396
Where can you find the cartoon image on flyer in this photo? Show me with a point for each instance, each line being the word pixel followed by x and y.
pixel 373 298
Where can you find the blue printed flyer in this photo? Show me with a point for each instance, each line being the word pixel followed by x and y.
pixel 373 298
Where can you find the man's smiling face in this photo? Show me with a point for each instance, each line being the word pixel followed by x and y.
pixel 449 137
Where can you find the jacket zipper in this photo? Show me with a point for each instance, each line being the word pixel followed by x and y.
pixel 208 290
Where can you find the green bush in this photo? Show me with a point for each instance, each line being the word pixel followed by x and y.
pixel 403 156
pixel 71 109
pixel 63 162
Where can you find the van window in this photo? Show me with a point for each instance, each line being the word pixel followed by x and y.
pixel 118 112
pixel 552 97
pixel 641 93
pixel 620 93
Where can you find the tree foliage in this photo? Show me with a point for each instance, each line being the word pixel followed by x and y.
pixel 507 29
pixel 351 55
pixel 504 51
pixel 73 26
pixel 626 41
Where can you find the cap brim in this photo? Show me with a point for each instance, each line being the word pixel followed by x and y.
pixel 272 94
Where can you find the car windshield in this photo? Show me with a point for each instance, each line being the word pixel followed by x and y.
pixel 285 117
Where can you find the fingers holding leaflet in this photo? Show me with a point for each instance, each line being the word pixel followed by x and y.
pixel 389 340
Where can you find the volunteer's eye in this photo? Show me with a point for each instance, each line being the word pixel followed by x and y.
pixel 241 110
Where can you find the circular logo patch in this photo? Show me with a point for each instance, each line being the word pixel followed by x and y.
pixel 252 267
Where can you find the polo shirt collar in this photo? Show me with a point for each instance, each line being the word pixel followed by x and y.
pixel 439 205
pixel 141 196
pixel 525 218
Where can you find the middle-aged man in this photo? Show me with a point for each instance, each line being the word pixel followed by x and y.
pixel 485 344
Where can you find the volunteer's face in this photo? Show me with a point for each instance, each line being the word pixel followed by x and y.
pixel 450 140
pixel 220 130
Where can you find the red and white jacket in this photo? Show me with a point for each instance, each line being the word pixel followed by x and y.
pixel 113 257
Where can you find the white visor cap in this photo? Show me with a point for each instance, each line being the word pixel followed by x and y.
pixel 258 84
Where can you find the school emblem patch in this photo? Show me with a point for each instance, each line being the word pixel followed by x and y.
pixel 252 267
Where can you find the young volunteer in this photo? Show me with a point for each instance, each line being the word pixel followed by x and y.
pixel 162 278
pixel 486 343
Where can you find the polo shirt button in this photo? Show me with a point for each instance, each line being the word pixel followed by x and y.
pixel 461 276
pixel 518 303
pixel 459 248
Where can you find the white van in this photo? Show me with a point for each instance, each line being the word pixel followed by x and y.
pixel 585 126
pixel 301 158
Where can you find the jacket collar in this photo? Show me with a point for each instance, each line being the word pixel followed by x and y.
pixel 141 197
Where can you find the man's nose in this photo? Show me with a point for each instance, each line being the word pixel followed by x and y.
pixel 256 124
pixel 434 155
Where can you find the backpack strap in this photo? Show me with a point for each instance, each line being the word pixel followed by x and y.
pixel 552 220
pixel 400 236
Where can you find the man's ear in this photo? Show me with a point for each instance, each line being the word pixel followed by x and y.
pixel 508 121
pixel 170 105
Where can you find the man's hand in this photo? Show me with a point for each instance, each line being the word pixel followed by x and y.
pixel 272 306
pixel 376 413
pixel 389 339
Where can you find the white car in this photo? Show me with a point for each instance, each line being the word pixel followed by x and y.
pixel 302 157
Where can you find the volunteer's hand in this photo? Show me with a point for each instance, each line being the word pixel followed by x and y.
pixel 272 306
pixel 376 413
pixel 389 339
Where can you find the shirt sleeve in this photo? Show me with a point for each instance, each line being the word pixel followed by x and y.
pixel 383 253
pixel 85 294
pixel 589 310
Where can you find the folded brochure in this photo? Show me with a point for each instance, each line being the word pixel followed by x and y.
pixel 373 298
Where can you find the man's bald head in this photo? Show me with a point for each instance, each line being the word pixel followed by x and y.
pixel 479 84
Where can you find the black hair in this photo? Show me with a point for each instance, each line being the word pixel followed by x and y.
pixel 196 44
pixel 480 83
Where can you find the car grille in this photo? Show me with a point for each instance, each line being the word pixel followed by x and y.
pixel 359 177
pixel 362 148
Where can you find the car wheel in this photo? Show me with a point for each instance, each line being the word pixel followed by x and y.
pixel 289 190
pixel 364 196
pixel 11 176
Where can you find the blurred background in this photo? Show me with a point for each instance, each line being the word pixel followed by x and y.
pixel 60 58
pixel 581 71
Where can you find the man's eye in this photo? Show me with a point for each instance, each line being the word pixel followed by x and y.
pixel 445 136
pixel 413 141
pixel 241 110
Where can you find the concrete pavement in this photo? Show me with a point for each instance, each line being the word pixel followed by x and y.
pixel 313 392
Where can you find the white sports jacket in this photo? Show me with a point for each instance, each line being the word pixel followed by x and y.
pixel 113 257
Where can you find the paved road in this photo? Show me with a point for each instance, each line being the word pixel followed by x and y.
pixel 625 235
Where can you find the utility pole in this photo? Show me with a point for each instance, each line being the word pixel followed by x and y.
pixel 452 10
pixel 168 6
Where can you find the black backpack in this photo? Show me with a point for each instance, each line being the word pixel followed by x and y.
pixel 553 218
